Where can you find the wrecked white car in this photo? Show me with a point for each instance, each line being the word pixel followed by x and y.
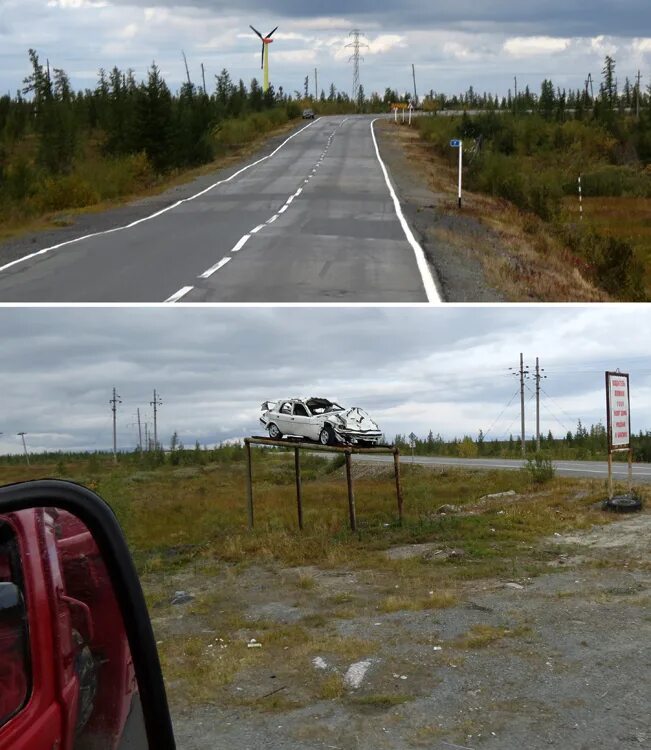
pixel 319 420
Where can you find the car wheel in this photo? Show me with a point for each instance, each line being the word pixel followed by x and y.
pixel 326 436
pixel 274 432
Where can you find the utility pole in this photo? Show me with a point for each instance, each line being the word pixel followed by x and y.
pixel 203 78
pixel 139 433
pixel 515 99
pixel 413 71
pixel 22 435
pixel 637 98
pixel 147 446
pixel 187 72
pixel 523 373
pixel 539 376
pixel 355 58
pixel 156 403
pixel 114 408
pixel 316 84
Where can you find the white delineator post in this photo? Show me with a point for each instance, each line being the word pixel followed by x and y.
pixel 460 170
pixel 396 113
pixel 580 199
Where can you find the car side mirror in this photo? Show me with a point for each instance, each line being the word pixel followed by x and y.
pixel 79 666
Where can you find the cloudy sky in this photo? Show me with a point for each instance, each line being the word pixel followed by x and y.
pixel 412 369
pixel 453 44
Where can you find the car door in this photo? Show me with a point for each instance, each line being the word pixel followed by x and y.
pixel 284 418
pixel 303 423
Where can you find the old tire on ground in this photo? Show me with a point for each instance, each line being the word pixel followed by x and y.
pixel 327 436
pixel 624 504
pixel 274 432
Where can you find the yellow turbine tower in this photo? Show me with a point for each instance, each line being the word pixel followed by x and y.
pixel 266 41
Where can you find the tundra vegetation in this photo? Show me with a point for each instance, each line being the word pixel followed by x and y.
pixel 187 528
pixel 533 154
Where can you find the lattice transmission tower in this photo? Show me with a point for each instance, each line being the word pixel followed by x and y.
pixel 356 45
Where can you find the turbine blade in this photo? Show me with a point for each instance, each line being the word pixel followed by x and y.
pixel 256 31
pixel 272 33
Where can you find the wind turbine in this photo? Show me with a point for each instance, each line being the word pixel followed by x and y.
pixel 266 41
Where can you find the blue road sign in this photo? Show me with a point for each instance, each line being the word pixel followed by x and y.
pixel 455 144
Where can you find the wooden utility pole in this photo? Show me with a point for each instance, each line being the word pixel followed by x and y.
pixel 114 408
pixel 156 403
pixel 316 84
pixel 523 436
pixel 637 98
pixel 515 98
pixel 187 72
pixel 413 72
pixel 139 433
pixel 539 378
pixel 22 435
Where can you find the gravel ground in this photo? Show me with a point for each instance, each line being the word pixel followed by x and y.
pixel 567 666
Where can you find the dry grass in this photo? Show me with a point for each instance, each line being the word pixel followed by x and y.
pixel 433 600
pixel 519 258
pixel 481 636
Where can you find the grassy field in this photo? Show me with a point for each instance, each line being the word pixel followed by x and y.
pixel 290 591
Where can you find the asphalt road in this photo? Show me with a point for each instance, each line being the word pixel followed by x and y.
pixel 315 221
pixel 587 469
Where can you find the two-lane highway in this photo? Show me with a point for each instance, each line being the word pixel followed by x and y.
pixel 315 221
pixel 586 469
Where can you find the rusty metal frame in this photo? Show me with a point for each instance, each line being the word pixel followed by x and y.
pixel 347 450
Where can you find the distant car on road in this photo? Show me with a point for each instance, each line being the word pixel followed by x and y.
pixel 308 114
pixel 320 420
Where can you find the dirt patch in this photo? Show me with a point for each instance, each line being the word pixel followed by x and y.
pixel 559 659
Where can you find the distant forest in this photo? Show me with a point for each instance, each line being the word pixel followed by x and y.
pixel 62 149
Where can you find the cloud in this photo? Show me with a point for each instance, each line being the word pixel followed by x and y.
pixel 452 45
pixel 535 45
pixel 413 369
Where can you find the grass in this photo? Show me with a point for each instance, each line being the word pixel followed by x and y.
pixel 481 636
pixel 187 530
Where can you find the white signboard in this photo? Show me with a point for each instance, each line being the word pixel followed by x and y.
pixel 619 411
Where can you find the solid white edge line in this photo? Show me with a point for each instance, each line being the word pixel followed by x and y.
pixel 207 274
pixel 241 243
pixel 158 213
pixel 179 295
pixel 431 291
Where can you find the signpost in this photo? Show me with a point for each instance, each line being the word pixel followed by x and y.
pixel 618 408
pixel 459 144
pixel 411 111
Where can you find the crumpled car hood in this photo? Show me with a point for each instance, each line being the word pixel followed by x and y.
pixel 355 419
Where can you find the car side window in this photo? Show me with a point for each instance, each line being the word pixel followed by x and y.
pixel 286 408
pixel 15 675
pixel 300 411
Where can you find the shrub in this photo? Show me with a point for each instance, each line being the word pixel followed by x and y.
pixel 540 469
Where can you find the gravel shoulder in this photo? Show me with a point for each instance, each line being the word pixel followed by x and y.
pixel 556 660
pixel 459 271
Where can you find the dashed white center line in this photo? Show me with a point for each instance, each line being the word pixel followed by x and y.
pixel 259 228
pixel 283 209
pixel 241 243
pixel 179 295
pixel 215 268
pixel 272 219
